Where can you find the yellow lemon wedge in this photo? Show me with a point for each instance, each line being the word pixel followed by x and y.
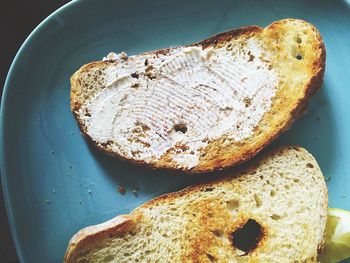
pixel 337 244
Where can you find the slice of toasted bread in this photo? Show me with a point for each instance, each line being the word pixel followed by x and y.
pixel 205 106
pixel 273 211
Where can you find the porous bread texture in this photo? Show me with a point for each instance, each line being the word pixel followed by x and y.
pixel 289 52
pixel 284 192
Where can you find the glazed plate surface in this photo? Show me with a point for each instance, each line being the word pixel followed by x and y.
pixel 55 183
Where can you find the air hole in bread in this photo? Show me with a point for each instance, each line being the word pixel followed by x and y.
pixel 297 53
pixel 298 39
pixel 181 127
pixel 87 112
pixel 309 165
pixel 208 189
pixel 135 75
pixel 258 200
pixel 276 217
pixel 273 192
pixel 247 101
pixel 232 205
pixel 247 237
pixel 217 233
pixel 135 85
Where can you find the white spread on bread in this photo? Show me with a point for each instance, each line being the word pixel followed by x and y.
pixel 178 101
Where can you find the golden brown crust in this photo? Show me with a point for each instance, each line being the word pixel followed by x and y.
pixel 90 236
pixel 217 156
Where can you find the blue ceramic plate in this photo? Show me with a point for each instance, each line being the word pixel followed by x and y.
pixel 55 184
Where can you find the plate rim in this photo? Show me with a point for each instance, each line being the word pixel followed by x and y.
pixel 3 113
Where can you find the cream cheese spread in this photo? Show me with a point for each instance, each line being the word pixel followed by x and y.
pixel 180 101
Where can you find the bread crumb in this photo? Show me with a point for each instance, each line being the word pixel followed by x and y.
pixel 53 190
pixel 135 192
pixel 47 201
pixel 121 190
pixel 328 178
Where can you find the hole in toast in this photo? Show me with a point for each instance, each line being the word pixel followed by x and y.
pixel 232 205
pixel 247 237
pixel 276 217
pixel 309 165
pixel 135 75
pixel 251 56
pixel 273 193
pixel 297 53
pixel 258 200
pixel 298 39
pixel 247 101
pixel 295 180
pixel 181 127
pixel 135 85
pixel 217 233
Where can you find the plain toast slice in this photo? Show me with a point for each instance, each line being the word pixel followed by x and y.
pixel 204 106
pixel 273 211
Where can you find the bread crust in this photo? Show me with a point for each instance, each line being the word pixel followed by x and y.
pixel 218 158
pixel 89 237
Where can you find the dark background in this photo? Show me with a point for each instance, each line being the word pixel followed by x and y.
pixel 17 19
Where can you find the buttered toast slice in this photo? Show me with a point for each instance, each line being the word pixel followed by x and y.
pixel 273 211
pixel 204 106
